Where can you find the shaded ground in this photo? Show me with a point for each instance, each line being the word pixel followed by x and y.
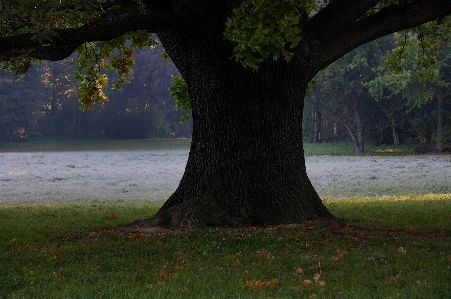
pixel 143 175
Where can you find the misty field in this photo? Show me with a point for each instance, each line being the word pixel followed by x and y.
pixel 151 174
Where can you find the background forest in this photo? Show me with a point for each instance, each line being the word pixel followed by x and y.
pixel 386 92
pixel 43 103
pixel 393 91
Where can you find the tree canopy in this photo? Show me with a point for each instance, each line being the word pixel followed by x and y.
pixel 103 32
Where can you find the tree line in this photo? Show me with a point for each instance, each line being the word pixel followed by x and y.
pixel 43 103
pixel 358 98
pixel 364 98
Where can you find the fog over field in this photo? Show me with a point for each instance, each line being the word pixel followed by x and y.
pixel 143 175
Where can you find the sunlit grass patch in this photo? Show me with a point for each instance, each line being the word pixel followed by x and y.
pixel 390 198
pixel 348 149
pixel 426 211
pixel 393 149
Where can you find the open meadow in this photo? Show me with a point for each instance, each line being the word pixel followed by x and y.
pixel 62 206
pixel 139 172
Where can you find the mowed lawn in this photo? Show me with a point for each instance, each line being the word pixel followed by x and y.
pixel 392 247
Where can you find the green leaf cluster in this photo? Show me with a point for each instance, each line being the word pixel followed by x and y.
pixel 43 17
pixel 90 89
pixel 97 58
pixel 18 65
pixel 386 83
pixel 424 42
pixel 179 92
pixel 262 29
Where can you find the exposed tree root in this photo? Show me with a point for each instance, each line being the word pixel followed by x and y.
pixel 189 216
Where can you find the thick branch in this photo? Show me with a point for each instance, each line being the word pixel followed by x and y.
pixel 338 15
pixel 388 20
pixel 109 26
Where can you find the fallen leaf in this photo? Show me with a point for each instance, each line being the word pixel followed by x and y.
pixel 317 276
pixel 401 250
pixel 298 271
pixel 390 280
pixel 112 215
pixel 259 285
pixel 340 255
pixel 263 253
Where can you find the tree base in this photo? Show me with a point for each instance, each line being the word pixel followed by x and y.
pixel 151 226
pixel 202 212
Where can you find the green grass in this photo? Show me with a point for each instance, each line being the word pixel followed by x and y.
pixel 348 149
pixel 48 145
pixel 396 247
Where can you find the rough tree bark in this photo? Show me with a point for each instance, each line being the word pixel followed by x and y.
pixel 246 163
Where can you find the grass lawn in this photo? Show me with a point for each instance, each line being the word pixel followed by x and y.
pixel 396 247
pixel 49 145
pixel 392 247
pixel 348 149
pixel 46 145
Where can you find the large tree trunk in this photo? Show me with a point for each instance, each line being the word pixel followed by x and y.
pixel 246 163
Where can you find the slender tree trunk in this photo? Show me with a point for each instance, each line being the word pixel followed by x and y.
pixel 395 130
pixel 53 104
pixel 336 129
pixel 440 118
pixel 317 129
pixel 354 137
pixel 246 163
pixel 359 146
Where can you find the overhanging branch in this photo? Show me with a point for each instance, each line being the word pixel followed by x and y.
pixel 109 26
pixel 388 20
pixel 337 15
